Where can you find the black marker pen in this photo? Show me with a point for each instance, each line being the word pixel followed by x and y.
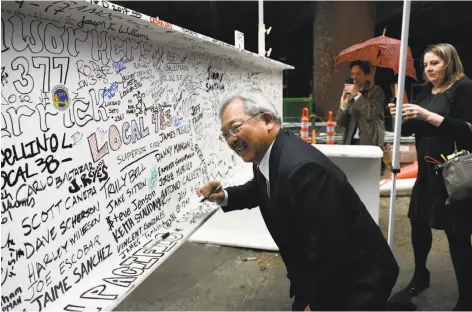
pixel 164 236
pixel 216 190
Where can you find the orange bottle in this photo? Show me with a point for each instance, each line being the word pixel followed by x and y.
pixel 313 136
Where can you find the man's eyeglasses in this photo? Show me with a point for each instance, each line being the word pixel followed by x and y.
pixel 236 128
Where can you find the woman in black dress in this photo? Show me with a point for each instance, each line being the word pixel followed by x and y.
pixel 440 120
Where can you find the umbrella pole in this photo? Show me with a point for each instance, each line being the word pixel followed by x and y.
pixel 373 74
pixel 398 118
pixel 372 80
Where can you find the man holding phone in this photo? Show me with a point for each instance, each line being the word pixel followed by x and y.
pixel 361 108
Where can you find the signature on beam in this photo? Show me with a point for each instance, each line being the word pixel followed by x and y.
pixel 77 137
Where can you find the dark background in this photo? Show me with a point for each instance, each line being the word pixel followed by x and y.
pixel 291 38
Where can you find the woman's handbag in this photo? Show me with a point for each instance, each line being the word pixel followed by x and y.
pixel 457 174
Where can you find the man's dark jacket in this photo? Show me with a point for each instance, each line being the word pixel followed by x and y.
pixel 335 254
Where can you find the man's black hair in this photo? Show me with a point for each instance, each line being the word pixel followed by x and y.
pixel 364 65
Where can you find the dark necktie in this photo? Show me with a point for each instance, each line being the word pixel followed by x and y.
pixel 263 183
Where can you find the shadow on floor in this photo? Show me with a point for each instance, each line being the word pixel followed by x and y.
pixel 202 277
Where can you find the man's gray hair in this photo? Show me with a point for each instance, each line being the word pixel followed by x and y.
pixel 254 103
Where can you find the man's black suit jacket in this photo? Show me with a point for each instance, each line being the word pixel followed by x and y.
pixel 335 254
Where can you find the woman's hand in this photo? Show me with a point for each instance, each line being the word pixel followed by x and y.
pixel 413 111
pixel 393 109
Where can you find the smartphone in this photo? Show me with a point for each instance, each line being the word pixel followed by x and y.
pixel 349 80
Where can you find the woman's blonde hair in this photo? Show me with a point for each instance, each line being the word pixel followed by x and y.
pixel 453 69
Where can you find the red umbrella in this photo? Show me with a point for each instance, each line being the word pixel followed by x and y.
pixel 380 51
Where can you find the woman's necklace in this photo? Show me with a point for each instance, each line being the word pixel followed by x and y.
pixel 435 91
pixel 441 89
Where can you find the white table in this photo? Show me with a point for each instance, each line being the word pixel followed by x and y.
pixel 246 228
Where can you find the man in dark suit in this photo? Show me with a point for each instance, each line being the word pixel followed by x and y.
pixel 335 254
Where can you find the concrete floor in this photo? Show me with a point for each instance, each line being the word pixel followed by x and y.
pixel 204 277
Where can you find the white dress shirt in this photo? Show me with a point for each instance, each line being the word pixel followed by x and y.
pixel 263 167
